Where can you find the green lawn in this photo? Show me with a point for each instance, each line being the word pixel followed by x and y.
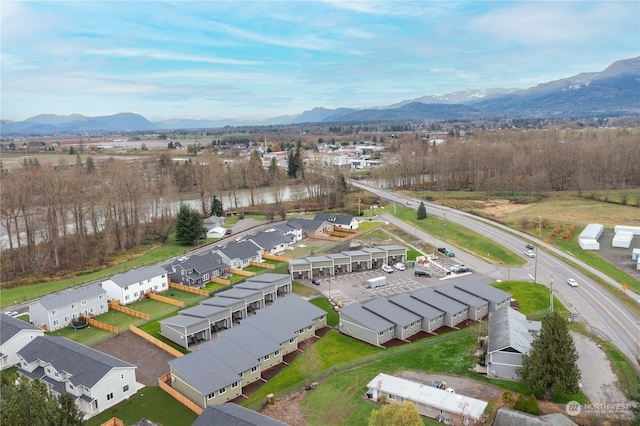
pixel 460 237
pixel 323 303
pixel 120 320
pixel 183 296
pixel 153 329
pixel 533 298
pixel 88 336
pixel 151 403
pixel 153 307
pixel 303 290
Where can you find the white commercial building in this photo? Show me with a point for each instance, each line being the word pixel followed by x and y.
pixel 588 239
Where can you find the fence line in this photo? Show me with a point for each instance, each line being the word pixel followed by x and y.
pixel 103 326
pixel 279 258
pixel 162 382
pixel 166 300
pixel 263 265
pixel 186 288
pixel 242 272
pixel 116 306
pixel 159 343
pixel 113 421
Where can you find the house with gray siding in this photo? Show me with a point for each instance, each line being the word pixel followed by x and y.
pixel 234 357
pixel 289 229
pixel 240 254
pixel 362 324
pixel 219 316
pixel 406 323
pixel 95 380
pixel 497 298
pixel 310 226
pixel 510 337
pixel 238 307
pixel 338 220
pixel 454 312
pixel 14 335
pixel 478 308
pixel 186 330
pixel 272 240
pixel 277 327
pixel 254 298
pixel 432 318
pixel 229 414
pixel 57 310
pixel 197 270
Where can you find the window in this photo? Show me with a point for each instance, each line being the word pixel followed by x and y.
pixel 164 284
pixel 101 297
pixel 381 333
pixel 92 310
pixel 67 318
pixel 392 397
pixel 84 302
pixel 122 376
pixel 310 327
pixel 70 386
pixel 102 307
pixel 109 396
pixel 276 353
pixel 54 312
pixel 163 276
pixel 75 316
pixel 155 287
pixel 254 369
pixel 48 370
pixel 126 288
pixel 57 374
pixel 126 297
pixel 292 340
pixel 74 305
pixel 211 395
pixel 242 375
pixel 301 331
pixel 391 330
pixel 223 390
pixel 135 294
pixel 267 357
pixel 56 322
pixel 125 388
pixel 235 385
pixel 419 322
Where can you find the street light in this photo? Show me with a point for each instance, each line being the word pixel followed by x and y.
pixel 444 216
pixel 358 207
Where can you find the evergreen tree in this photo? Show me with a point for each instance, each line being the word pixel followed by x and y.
pixel 90 166
pixel 551 363
pixel 422 211
pixel 298 161
pixel 396 415
pixel 292 165
pixel 189 228
pixel 217 209
pixel 532 405
pixel 521 404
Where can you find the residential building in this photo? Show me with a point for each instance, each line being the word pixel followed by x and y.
pixel 338 220
pixel 229 414
pixel 14 335
pixel 58 310
pixel 406 323
pixel 478 307
pixel 132 285
pixel 454 312
pixel 240 254
pixel 272 240
pixel 431 318
pixel 362 324
pixel 497 298
pixel 197 270
pixel 97 381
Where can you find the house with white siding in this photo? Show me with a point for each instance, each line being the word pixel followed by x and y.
pixel 132 285
pixel 58 310
pixel 96 380
pixel 14 335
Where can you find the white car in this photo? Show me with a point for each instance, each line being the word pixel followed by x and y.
pixel 12 313
pixel 530 253
pixel 388 269
pixel 399 266
pixel 572 282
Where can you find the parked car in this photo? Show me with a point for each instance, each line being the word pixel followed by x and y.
pixel 228 232
pixel 422 273
pixel 529 247
pixel 388 269
pixel 408 203
pixel 12 313
pixel 438 384
pixel 458 269
pixel 442 250
pixel 399 266
pixel 315 282
pixel 530 253
pixel 446 251
pixel 572 282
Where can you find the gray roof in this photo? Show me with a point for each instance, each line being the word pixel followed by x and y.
pixel 412 304
pixel 392 247
pixel 137 275
pixel 286 227
pixel 313 259
pixel 365 318
pixel 242 250
pixel 383 307
pixel 297 303
pixel 306 224
pixel 201 263
pixel 204 311
pixel 185 321
pixel 509 417
pixel 508 329
pixel 461 296
pixel 251 340
pixel 221 301
pixel 229 414
pixel 268 277
pixel 483 291
pixel 375 251
pixel 239 293
pixel 333 218
pixel 338 256
pixel 72 295
pixel 299 262
pixel 270 238
pixel 232 355
pixel 256 285
pixel 438 301
pixel 87 366
pixel 204 371
pixel 278 327
pixel 10 327
pixel 352 253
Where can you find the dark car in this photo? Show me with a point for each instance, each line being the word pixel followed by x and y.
pixel 529 247
pixel 442 250
pixel 315 282
pixel 422 273
pixel 228 232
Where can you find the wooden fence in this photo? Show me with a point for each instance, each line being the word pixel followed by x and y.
pixel 220 281
pixel 242 272
pixel 115 305
pixel 159 343
pixel 102 326
pixel 263 265
pixel 270 256
pixel 113 421
pixel 323 237
pixel 339 234
pixel 162 382
pixel 194 290
pixel 166 300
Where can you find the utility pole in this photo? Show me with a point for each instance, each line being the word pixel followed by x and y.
pixel 444 216
pixel 535 272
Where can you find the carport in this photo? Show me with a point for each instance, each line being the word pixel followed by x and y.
pixel 185 329
pixel 360 259
pixel 378 256
pixel 300 269
pixel 219 316
pixel 395 253
pixel 321 266
pixel 341 263
pixel 238 307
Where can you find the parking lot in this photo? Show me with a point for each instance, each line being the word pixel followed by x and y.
pixel 353 287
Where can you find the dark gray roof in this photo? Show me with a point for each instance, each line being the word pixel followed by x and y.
pixel 239 293
pixel 231 354
pixel 242 250
pixel 508 417
pixel 461 296
pixel 333 218
pixel 185 321
pixel 508 329
pixel 414 305
pixel 137 275
pixel 375 251
pixel 204 371
pixel 270 238
pixel 10 327
pixel 201 263
pixel 257 285
pixel 313 259
pixel 252 340
pixel 365 318
pixel 204 311
pixel 286 227
pixel 438 301
pixel 483 291
pixel 352 253
pixel 306 224
pixel 72 295
pixel 279 328
pixel 296 302
pixel 338 256
pixel 230 414
pixel 268 277
pixel 383 307
pixel 299 262
pixel 87 366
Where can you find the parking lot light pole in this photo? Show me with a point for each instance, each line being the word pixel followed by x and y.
pixel 535 271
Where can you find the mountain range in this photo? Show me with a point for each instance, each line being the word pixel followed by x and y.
pixel 613 92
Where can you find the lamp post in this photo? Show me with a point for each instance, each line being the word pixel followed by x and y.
pixel 535 271
pixel 444 226
pixel 358 207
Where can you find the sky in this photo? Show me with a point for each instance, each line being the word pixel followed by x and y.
pixel 262 59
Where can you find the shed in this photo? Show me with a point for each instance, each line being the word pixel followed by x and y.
pixel 588 238
pixel 622 239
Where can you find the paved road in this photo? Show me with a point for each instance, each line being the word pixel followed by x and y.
pixel 601 312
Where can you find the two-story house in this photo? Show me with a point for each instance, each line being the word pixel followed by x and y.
pixel 131 286
pixel 14 335
pixel 197 270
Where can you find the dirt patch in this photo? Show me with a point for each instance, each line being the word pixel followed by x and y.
pixel 461 385
pixel 499 208
pixel 150 359
pixel 287 409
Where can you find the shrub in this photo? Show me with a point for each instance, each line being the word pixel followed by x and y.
pixel 532 405
pixel 521 404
